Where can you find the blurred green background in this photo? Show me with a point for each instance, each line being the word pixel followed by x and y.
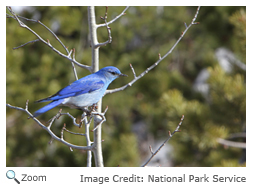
pixel 214 106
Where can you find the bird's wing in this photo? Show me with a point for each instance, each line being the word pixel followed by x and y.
pixel 48 107
pixel 78 87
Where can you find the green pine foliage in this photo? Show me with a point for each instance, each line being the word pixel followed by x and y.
pixel 238 20
pixel 222 114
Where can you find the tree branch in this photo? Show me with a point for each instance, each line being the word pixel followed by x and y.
pixel 47 128
pixel 158 61
pixel 113 20
pixel 108 30
pixel 87 126
pixel 36 40
pixel 88 142
pixel 163 144
pixel 98 157
pixel 47 42
pixel 231 143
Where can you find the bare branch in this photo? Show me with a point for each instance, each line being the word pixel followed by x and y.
pixel 133 71
pixel 231 143
pixel 158 61
pixel 81 134
pixel 88 142
pixel 62 131
pixel 151 150
pixel 113 20
pixel 47 42
pixel 162 145
pixel 102 115
pixel 98 157
pixel 51 140
pixel 108 29
pixel 47 128
pixel 73 118
pixel 26 44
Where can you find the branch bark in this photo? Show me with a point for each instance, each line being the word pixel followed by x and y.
pixel 95 67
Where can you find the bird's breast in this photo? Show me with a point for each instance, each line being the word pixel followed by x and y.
pixel 84 100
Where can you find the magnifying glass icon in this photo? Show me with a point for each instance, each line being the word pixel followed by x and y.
pixel 11 175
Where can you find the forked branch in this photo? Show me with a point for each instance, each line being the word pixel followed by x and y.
pixel 170 135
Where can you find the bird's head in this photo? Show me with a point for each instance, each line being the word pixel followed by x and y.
pixel 111 72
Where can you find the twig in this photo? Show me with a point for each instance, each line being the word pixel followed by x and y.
pixel 102 115
pixel 51 140
pixel 162 145
pixel 133 71
pixel 185 25
pixel 113 20
pixel 81 134
pixel 73 118
pixel 108 30
pixel 232 143
pixel 158 61
pixel 36 40
pixel 62 131
pixel 47 128
pixel 151 150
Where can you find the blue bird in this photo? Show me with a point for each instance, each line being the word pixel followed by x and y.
pixel 83 92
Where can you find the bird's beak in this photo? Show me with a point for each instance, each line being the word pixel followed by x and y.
pixel 123 75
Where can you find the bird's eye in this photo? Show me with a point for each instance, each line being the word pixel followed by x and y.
pixel 113 73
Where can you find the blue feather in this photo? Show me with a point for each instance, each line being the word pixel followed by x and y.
pixel 48 107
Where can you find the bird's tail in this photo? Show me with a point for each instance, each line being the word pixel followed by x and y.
pixel 44 99
pixel 48 107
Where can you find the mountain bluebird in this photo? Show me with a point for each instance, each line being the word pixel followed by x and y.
pixel 83 92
